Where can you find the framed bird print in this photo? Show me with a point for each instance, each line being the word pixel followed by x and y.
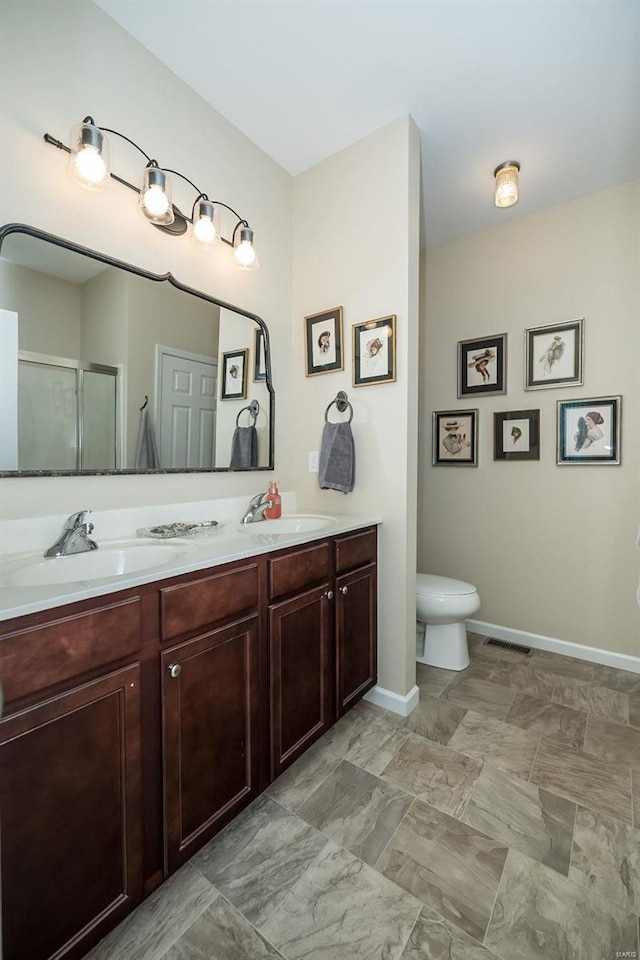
pixel 482 366
pixel 553 355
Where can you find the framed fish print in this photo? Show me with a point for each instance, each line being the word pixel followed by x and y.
pixel 553 355
pixel 482 366
pixel 589 431
pixel 455 438
pixel 323 342
pixel 516 435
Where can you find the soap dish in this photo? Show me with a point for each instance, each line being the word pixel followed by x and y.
pixel 166 531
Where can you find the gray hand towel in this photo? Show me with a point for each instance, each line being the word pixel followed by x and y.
pixel 244 448
pixel 146 450
pixel 337 458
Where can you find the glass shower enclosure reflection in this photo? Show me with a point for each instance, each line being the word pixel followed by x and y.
pixel 67 414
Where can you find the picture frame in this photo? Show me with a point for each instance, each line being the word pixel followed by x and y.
pixel 553 355
pixel 374 351
pixel 516 435
pixel 234 375
pixel 323 342
pixel 455 438
pixel 259 359
pixel 588 431
pixel 482 366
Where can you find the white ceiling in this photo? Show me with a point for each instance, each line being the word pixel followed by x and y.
pixel 554 84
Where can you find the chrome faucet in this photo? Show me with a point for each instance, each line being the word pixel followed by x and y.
pixel 256 509
pixel 74 538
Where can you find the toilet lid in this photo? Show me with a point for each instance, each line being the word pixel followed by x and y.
pixel 428 585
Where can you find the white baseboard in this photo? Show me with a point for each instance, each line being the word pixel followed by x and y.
pixel 393 701
pixel 609 658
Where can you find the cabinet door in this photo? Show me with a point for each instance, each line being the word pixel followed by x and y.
pixel 301 674
pixel 356 635
pixel 210 735
pixel 71 818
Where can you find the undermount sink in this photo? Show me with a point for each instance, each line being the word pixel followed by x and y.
pixel 117 559
pixel 291 523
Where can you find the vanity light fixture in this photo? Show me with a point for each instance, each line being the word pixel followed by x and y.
pixel 89 166
pixel 506 177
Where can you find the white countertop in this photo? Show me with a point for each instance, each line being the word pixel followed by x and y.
pixel 230 543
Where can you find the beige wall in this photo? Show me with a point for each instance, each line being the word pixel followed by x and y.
pixel 56 332
pixel 52 76
pixel 356 244
pixel 550 548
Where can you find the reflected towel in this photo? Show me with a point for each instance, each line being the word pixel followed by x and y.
pixel 244 448
pixel 146 450
pixel 337 458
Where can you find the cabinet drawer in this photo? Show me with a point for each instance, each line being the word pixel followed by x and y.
pixel 355 550
pixel 188 606
pixel 48 654
pixel 298 569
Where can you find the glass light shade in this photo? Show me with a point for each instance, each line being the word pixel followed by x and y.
pixel 155 196
pixel 89 158
pixel 244 252
pixel 506 184
pixel 204 228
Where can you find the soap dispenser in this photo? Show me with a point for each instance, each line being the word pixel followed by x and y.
pixel 275 510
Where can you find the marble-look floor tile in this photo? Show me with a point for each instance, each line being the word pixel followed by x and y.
pixel 366 736
pixel 479 694
pixel 357 810
pixel 434 938
pixel 545 719
pixel 221 933
pixel 433 773
pixel 341 909
pixel 562 666
pixel 622 680
pixel 433 680
pixel 599 702
pixel 297 783
pixel 435 719
pixel 635 784
pixel 504 746
pixel 523 816
pixel 606 858
pixel 596 784
pixel 540 915
pixel 448 865
pixel 613 742
pixel 634 709
pixel 259 857
pixel 525 678
pixel 148 932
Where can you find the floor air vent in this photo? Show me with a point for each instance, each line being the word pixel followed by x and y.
pixel 504 645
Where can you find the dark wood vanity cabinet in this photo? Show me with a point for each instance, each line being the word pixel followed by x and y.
pixel 138 724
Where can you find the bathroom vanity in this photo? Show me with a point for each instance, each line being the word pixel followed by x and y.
pixel 140 721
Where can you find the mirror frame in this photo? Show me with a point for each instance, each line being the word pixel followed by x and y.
pixel 27 230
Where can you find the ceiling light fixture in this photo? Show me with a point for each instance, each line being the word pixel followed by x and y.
pixel 506 176
pixel 89 166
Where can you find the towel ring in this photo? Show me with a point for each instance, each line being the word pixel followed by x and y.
pixel 254 410
pixel 342 403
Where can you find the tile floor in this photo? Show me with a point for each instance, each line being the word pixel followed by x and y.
pixel 500 821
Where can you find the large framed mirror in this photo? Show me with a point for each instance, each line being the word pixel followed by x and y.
pixel 106 368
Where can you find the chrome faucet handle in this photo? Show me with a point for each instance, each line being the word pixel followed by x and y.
pixel 77 520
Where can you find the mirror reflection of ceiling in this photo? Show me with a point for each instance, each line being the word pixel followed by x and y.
pixel 95 343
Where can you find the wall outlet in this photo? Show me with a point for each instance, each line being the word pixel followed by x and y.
pixel 313 461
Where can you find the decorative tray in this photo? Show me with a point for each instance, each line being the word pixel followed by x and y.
pixel 166 531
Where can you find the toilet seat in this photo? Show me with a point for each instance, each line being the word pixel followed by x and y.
pixel 428 585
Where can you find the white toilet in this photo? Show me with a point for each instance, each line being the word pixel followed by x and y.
pixel 444 604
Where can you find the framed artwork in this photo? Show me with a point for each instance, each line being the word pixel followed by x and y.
pixel 482 366
pixel 589 431
pixel 234 375
pixel 259 364
pixel 323 342
pixel 455 438
pixel 553 355
pixel 374 351
pixel 516 435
